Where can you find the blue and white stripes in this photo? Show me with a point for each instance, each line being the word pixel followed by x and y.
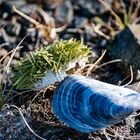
pixel 89 105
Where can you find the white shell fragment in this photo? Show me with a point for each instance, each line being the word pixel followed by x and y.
pixel 89 105
pixel 50 78
pixel 81 62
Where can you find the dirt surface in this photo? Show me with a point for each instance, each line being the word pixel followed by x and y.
pixel 92 20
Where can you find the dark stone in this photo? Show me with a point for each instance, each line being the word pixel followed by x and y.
pixel 126 46
pixel 79 22
pixel 89 8
pixel 10 29
pixel 64 13
pixel 135 86
pixel 5 9
pixel 10 46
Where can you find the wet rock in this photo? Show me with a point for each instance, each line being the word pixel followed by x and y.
pixel 70 35
pixel 5 10
pixel 1 39
pixel 17 55
pixel 64 13
pixel 1 136
pixel 12 125
pixel 137 124
pixel 13 29
pixel 22 5
pixel 3 52
pixel 90 8
pixel 13 62
pixel 135 86
pixel 126 46
pixel 10 46
pixel 37 1
pixel 79 22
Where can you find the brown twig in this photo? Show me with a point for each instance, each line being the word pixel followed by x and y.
pixel 118 19
pixel 26 17
pixel 13 53
pixel 93 66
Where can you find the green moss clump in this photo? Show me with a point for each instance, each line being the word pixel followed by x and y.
pixel 54 57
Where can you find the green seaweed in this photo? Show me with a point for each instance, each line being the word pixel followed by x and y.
pixel 54 57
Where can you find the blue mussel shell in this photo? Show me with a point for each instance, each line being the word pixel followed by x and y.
pixel 89 105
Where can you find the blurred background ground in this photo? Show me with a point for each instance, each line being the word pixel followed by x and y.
pixel 110 28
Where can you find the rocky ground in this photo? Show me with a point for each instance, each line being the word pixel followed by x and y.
pixel 109 28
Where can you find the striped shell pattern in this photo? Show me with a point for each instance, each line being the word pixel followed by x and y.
pixel 89 105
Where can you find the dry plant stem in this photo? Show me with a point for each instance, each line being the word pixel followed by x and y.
pixel 120 24
pixel 37 42
pixel 105 130
pixel 46 16
pixel 101 23
pixel 112 131
pixel 25 16
pixel 62 28
pixel 3 27
pixel 32 131
pixel 8 64
pixel 4 44
pixel 2 60
pixel 49 20
pixel 97 67
pixel 137 86
pixel 97 30
pixel 135 115
pixel 17 93
pixel 110 62
pixel 5 35
pixel 132 76
pixel 120 82
pixel 93 66
pixel 124 12
pixel 37 24
pixel 7 54
pixel 34 98
pixel 136 11
pixel 106 135
pixel 130 15
pixel 133 17
pixel 131 8
pixel 136 21
pixel 115 132
pixel 51 87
